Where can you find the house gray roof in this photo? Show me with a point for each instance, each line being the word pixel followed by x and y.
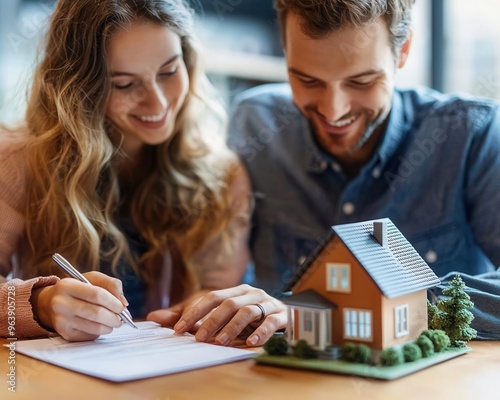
pixel 309 298
pixel 397 269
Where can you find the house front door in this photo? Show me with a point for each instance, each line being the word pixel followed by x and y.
pixel 309 326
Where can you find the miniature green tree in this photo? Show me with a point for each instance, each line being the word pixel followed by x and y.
pixel 431 312
pixel 276 346
pixel 453 315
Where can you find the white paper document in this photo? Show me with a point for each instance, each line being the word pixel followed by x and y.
pixel 128 354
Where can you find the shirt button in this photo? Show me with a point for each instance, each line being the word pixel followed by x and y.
pixel 431 256
pixel 336 167
pixel 376 173
pixel 301 260
pixel 348 208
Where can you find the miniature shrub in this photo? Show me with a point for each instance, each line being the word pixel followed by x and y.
pixel 358 353
pixel 276 345
pixel 425 345
pixel 362 354
pixel 391 356
pixel 303 350
pixel 411 352
pixel 459 344
pixel 348 352
pixel 439 339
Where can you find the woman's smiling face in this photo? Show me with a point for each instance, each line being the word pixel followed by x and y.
pixel 149 84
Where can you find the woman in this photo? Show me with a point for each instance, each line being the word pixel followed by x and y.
pixel 120 170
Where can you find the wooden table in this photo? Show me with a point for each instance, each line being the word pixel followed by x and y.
pixel 475 375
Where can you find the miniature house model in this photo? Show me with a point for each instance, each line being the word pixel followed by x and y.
pixel 365 284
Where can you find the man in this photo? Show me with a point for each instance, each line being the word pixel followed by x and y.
pixel 340 144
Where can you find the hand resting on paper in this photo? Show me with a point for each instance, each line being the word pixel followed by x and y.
pixel 78 311
pixel 226 314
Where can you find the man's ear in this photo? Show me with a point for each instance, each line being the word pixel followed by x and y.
pixel 405 50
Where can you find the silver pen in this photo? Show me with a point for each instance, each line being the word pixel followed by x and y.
pixel 74 273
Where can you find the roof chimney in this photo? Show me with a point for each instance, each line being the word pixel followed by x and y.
pixel 380 232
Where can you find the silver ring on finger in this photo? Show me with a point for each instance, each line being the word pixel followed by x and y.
pixel 262 312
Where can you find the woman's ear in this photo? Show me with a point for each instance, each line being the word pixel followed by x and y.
pixel 405 50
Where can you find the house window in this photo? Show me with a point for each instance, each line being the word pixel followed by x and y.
pixel 308 321
pixel 357 324
pixel 338 277
pixel 401 320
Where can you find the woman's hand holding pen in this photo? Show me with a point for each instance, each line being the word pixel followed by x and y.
pixel 78 311
pixel 227 314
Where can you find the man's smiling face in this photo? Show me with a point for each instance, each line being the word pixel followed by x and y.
pixel 343 83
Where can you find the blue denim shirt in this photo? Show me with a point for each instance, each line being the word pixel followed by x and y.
pixel 435 174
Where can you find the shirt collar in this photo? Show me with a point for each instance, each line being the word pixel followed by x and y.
pixel 316 159
pixel 395 130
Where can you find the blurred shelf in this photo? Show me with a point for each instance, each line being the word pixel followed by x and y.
pixel 248 66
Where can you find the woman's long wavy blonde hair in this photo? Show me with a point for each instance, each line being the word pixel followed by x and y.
pixel 73 194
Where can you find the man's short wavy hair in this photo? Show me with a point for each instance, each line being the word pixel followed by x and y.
pixel 321 17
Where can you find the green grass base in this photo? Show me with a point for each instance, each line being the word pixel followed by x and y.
pixel 364 370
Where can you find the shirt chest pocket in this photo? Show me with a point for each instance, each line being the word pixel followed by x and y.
pixel 294 233
pixel 440 246
pixel 293 246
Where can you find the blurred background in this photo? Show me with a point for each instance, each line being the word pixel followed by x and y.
pixel 456 47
